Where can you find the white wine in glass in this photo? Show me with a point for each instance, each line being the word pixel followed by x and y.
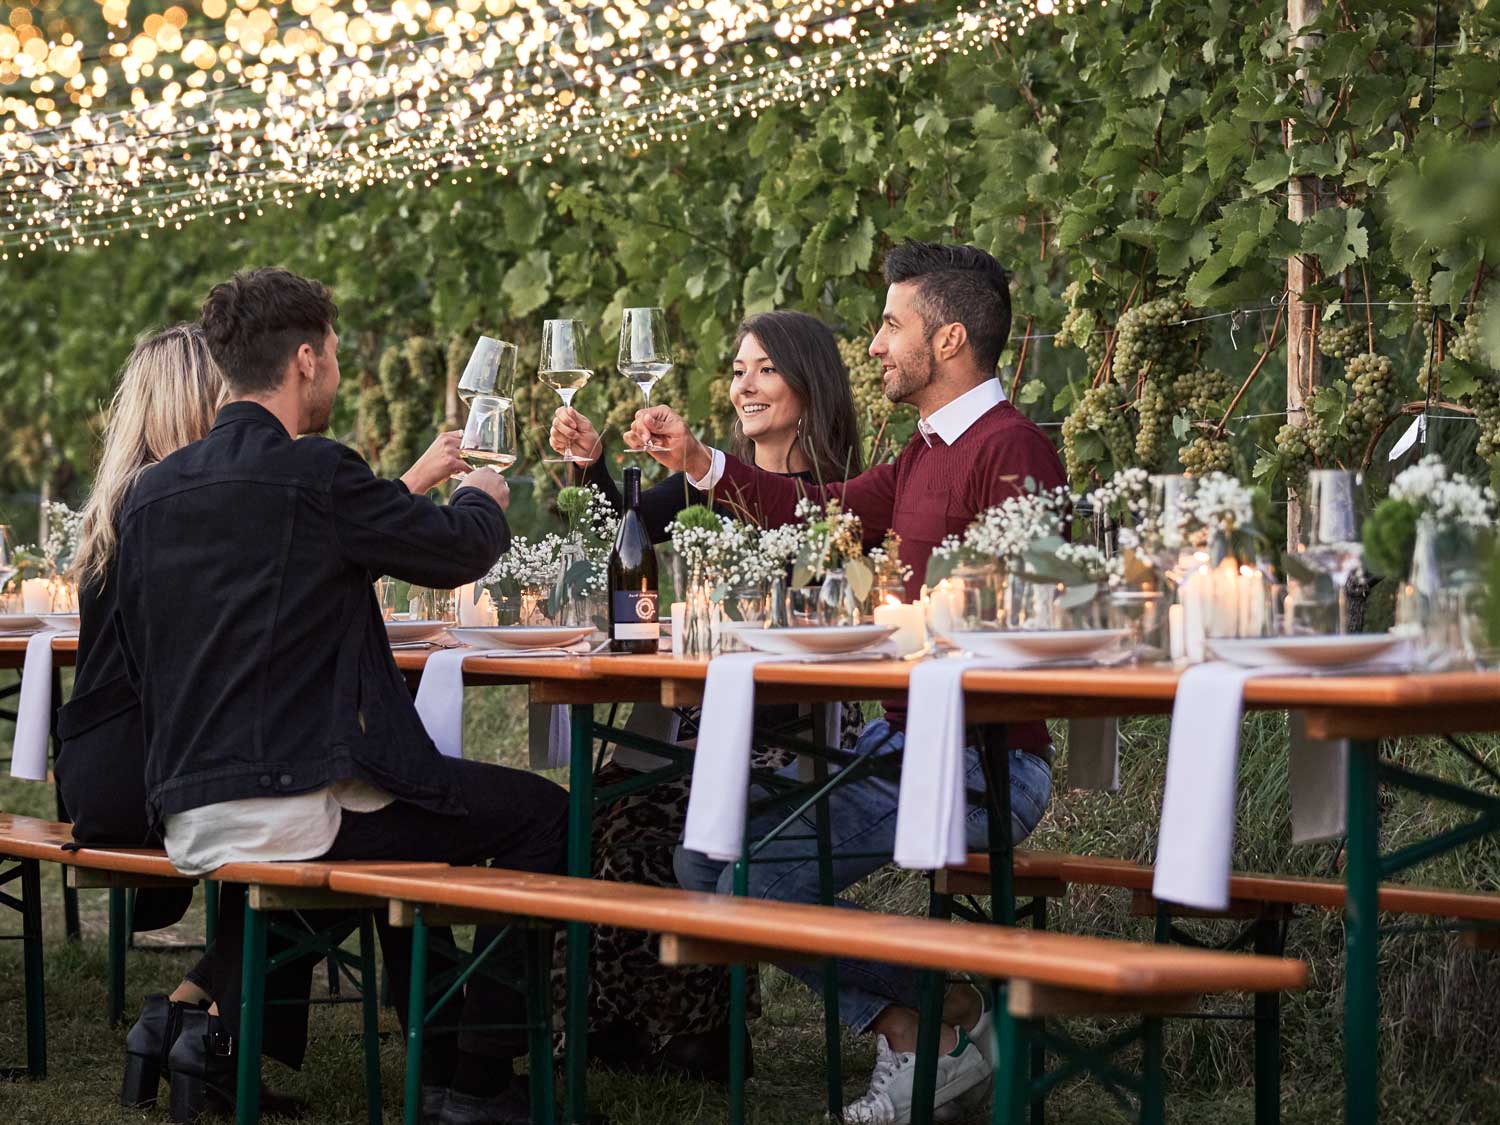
pixel 489 439
pixel 564 366
pixel 645 353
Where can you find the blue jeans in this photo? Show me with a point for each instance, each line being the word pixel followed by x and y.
pixel 862 819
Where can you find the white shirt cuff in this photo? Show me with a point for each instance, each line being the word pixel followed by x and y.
pixel 715 471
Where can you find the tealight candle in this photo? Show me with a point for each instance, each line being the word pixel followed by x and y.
pixel 911 629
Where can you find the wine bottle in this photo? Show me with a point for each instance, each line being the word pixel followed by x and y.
pixel 633 622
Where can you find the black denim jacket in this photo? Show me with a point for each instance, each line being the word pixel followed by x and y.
pixel 249 620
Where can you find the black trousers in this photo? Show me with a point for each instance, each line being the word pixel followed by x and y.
pixel 515 820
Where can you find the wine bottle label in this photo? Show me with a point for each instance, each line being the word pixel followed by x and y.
pixel 634 613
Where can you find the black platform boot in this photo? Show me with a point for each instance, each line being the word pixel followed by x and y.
pixel 202 1066
pixel 147 1045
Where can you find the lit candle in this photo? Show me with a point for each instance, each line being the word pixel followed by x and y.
pixel 1176 641
pixel 911 630
pixel 1197 600
pixel 679 625
pixel 472 611
pixel 1252 596
pixel 945 605
pixel 36 595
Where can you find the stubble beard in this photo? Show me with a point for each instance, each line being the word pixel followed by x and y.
pixel 908 378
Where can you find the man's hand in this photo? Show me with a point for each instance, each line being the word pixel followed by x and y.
pixel 678 449
pixel 571 431
pixel 440 462
pixel 489 482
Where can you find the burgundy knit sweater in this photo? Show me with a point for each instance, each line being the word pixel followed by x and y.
pixel 925 495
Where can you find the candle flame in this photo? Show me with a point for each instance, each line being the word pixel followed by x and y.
pixel 892 599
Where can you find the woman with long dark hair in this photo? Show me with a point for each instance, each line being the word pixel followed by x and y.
pixel 794 415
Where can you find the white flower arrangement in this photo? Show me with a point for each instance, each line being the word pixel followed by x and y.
pixel 1450 499
pixel 1219 504
pixel 537 563
pixel 1007 531
pixel 64 529
pixel 1090 563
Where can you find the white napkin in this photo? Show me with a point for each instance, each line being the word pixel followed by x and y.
pixel 721 764
pixel 1094 754
pixel 34 711
pixel 933 808
pixel 1319 780
pixel 440 695
pixel 549 735
pixel 1196 841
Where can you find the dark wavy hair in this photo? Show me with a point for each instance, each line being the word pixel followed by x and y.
pixel 957 285
pixel 256 321
pixel 807 356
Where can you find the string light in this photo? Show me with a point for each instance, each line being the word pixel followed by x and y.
pixel 237 110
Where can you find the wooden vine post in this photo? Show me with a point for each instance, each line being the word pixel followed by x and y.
pixel 1303 366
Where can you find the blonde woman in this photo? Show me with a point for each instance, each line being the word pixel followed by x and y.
pixel 169 394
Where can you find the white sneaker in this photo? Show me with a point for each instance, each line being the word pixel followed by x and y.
pixel 888 1101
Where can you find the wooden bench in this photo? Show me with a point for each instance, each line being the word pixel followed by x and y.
pixel 270 887
pixel 1045 974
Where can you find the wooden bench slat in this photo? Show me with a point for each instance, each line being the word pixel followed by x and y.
pixel 1438 902
pixel 1091 964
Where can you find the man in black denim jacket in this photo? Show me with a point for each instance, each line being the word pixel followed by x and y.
pixel 277 724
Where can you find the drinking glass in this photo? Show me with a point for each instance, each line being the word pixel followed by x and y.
pixel 1479 626
pixel 7 564
pixel 1330 540
pixel 564 366
pixel 490 434
pixel 406 601
pixel 491 370
pixel 645 353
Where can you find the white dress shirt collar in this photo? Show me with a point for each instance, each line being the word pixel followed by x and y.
pixel 952 421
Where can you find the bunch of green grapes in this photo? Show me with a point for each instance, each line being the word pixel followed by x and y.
pixel 1295 452
pixel 1342 341
pixel 1099 411
pixel 1485 402
pixel 1205 454
pixel 1142 339
pixel 1203 392
pixel 1321 440
pixel 1421 298
pixel 865 383
pixel 1373 379
pixel 1155 426
pixel 1465 346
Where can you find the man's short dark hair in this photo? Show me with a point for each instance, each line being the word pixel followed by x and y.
pixel 957 285
pixel 256 321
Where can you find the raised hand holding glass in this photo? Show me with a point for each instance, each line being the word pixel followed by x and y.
pixel 645 353
pixel 564 366
pixel 489 439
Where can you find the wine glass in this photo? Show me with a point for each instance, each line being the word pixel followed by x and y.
pixel 645 353
pixel 491 370
pixel 489 439
pixel 7 571
pixel 1330 541
pixel 564 366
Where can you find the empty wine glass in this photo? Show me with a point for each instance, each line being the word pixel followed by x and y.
pixel 491 370
pixel 645 353
pixel 489 439
pixel 564 366
pixel 1329 542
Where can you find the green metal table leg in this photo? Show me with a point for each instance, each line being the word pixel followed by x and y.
pixel 929 1029
pixel 994 758
pixel 1153 1077
pixel 539 1017
pixel 1012 1074
pixel 739 1032
pixel 118 929
pixel 826 728
pixel 31 945
pixel 1362 937
pixel 416 1019
pixel 252 1018
pixel 370 1002
pixel 1038 1049
pixel 580 863
pixel 1268 1033
pixel 210 915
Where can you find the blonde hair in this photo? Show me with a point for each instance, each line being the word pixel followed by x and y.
pixel 169 392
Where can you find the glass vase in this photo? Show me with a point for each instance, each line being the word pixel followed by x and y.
pixel 1032 604
pixel 570 602
pixel 697 621
pixel 837 602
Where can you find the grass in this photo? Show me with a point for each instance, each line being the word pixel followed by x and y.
pixel 1441 1002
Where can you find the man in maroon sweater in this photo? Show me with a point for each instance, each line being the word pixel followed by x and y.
pixel 946 321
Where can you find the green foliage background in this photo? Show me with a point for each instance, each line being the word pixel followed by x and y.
pixel 1130 152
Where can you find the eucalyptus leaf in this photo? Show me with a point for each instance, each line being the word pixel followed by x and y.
pixel 861 577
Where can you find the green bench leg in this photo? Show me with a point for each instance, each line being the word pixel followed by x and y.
pixel 119 927
pixel 1038 1049
pixel 252 1018
pixel 539 1017
pixel 1012 1072
pixel 1268 1034
pixel 370 1002
pixel 832 1031
pixel 580 864
pixel 1153 1079
pixel 1362 938
pixel 739 1034
pixel 416 1019
pixel 929 1028
pixel 31 945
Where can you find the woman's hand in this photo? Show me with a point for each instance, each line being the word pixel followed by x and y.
pixel 440 462
pixel 572 432
pixel 663 433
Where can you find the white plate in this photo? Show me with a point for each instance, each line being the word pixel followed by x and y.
pixel 801 640
pixel 1038 645
pixel 67 622
pixel 19 622
pixel 404 632
pixel 521 636
pixel 1307 652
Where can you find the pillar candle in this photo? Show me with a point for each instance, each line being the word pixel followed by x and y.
pixel 1177 641
pixel 36 595
pixel 911 630
pixel 679 625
